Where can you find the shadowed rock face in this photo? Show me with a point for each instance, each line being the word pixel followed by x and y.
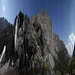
pixel 73 63
pixel 6 38
pixel 3 23
pixel 57 46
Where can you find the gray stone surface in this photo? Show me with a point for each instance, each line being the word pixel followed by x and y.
pixel 36 41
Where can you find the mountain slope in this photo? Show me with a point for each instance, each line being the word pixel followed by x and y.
pixel 36 46
pixel 6 37
pixel 3 23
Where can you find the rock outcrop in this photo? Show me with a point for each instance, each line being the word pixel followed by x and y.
pixel 37 35
pixel 3 23
pixel 6 38
pixel 34 44
pixel 36 38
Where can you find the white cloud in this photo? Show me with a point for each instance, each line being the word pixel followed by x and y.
pixel 70 45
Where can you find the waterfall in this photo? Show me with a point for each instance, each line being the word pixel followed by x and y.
pixel 3 53
pixel 23 25
pixel 16 30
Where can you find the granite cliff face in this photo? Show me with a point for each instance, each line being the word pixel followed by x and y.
pixel 34 44
pixel 35 37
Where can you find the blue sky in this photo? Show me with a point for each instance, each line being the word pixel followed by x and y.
pixel 61 12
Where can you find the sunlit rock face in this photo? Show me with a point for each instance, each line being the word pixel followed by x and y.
pixel 50 44
pixel 43 29
pixel 46 28
pixel 55 45
pixel 34 38
pixel 43 23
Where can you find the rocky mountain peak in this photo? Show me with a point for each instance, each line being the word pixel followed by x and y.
pixel 33 43
pixel 36 34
